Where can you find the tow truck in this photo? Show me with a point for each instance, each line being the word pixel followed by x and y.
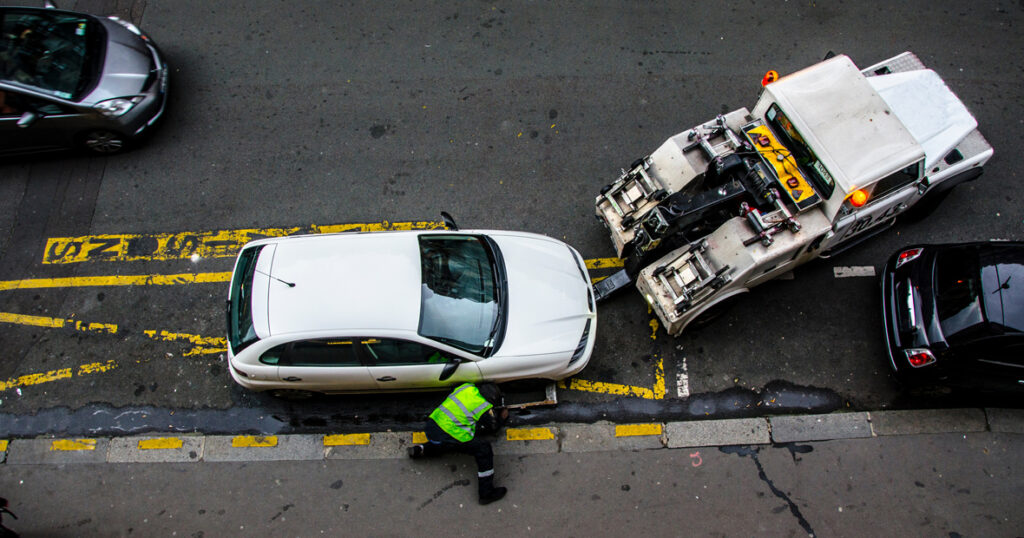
pixel 829 156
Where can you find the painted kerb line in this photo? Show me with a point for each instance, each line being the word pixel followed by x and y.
pixel 347 439
pixel 210 244
pixel 162 443
pixel 529 434
pixel 633 430
pixel 73 444
pixel 254 441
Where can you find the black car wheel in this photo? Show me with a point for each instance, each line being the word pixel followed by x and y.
pixel 103 142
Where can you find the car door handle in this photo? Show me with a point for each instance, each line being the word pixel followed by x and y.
pixel 293 378
pixel 386 378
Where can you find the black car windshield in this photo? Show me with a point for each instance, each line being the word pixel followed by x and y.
pixel 241 332
pixel 959 296
pixel 55 52
pixel 460 302
pixel 1003 278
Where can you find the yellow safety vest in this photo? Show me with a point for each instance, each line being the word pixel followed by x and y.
pixel 459 412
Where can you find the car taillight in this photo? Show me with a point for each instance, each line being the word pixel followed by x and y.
pixel 908 255
pixel 237 371
pixel 919 357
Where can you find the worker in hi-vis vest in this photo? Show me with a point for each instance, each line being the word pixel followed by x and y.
pixel 454 425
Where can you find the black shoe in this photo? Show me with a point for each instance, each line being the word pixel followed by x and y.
pixel 415 451
pixel 494 495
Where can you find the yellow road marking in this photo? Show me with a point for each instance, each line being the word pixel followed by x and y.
pixel 657 392
pixel 115 280
pixel 161 443
pixel 3 445
pixel 42 321
pixel 73 444
pixel 250 441
pixel 54 375
pixel 419 437
pixel 347 439
pixel 210 244
pixel 629 430
pixel 604 263
pixel 204 345
pixel 529 434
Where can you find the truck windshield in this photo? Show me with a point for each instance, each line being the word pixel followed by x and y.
pixel 461 294
pixel 805 158
pixel 55 52
pixel 241 332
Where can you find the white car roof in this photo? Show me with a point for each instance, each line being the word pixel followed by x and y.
pixel 350 281
pixel 931 111
pixel 846 122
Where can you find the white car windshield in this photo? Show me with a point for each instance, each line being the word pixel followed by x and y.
pixel 461 290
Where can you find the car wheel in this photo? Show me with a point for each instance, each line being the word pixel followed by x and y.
pixel 103 142
pixel 292 394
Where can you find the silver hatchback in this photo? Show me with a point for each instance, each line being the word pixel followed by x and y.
pixel 72 80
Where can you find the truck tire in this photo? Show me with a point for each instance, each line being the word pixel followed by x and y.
pixel 926 206
pixel 932 199
pixel 711 314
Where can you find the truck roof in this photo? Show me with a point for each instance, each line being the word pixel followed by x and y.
pixel 845 121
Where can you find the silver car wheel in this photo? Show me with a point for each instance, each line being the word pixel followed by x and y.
pixel 105 142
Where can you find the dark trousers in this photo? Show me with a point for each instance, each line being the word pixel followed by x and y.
pixel 439 442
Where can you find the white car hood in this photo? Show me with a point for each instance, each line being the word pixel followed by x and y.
pixel 548 303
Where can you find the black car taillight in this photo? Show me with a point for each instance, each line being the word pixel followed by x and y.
pixel 908 255
pixel 919 357
pixel 582 346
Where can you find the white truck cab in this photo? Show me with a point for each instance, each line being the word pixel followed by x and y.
pixel 828 156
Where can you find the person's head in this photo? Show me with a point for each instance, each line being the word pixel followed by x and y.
pixel 490 392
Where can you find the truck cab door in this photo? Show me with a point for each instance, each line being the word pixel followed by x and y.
pixel 886 198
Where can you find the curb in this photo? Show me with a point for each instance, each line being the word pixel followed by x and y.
pixel 568 438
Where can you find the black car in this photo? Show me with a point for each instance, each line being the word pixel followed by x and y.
pixel 954 315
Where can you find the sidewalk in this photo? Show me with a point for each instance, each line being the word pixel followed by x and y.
pixel 556 438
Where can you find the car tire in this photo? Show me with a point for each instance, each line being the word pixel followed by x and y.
pixel 103 142
pixel 292 394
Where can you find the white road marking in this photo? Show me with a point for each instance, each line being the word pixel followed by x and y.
pixel 683 382
pixel 857 270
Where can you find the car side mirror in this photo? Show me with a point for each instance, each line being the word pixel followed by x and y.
pixel 449 222
pixel 449 369
pixel 27 119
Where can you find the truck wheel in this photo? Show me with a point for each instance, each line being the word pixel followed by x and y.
pixel 926 206
pixel 711 314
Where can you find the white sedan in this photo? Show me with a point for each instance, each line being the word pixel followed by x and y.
pixel 416 310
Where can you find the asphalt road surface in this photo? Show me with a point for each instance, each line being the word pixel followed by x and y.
pixel 920 485
pixel 301 116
